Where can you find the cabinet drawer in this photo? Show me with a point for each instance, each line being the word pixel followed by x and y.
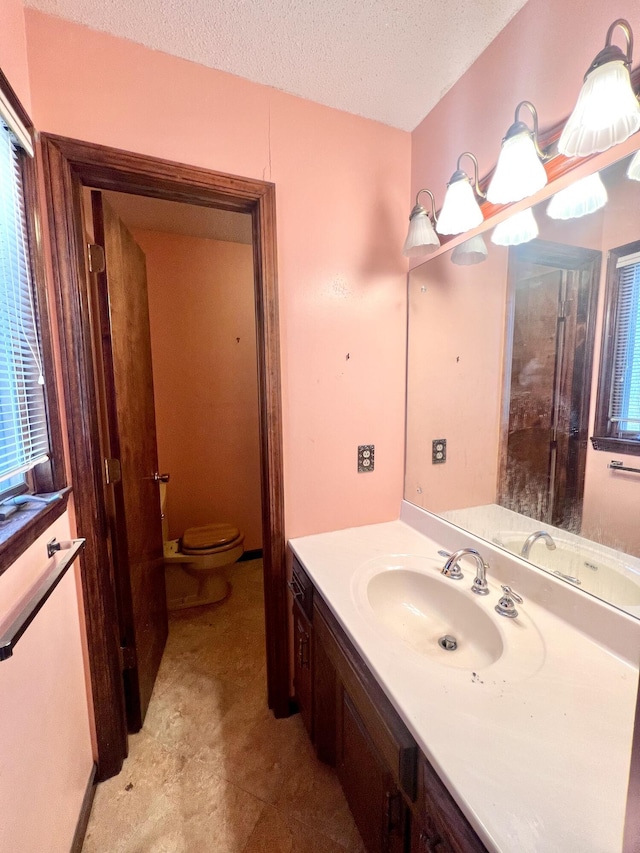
pixel 301 588
pixel 388 733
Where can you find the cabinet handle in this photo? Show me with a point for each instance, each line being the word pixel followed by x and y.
pixel 296 589
pixel 303 646
pixel 390 817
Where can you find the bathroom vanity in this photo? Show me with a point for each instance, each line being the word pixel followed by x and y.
pixel 518 739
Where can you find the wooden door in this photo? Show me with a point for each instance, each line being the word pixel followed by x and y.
pixel 554 290
pixel 536 331
pixel 130 417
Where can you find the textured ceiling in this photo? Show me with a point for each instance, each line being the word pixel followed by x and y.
pixel 389 60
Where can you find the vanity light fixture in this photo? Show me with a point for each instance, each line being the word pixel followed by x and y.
pixel 421 238
pixel 519 171
pixel 585 196
pixel 519 228
pixel 607 111
pixel 472 251
pixel 633 172
pixel 460 210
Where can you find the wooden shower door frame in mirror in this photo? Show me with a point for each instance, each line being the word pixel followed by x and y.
pixel 69 165
pixel 571 326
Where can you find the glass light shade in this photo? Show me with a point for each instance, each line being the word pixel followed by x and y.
pixel 472 251
pixel 517 229
pixel 519 172
pixel 633 171
pixel 460 209
pixel 421 238
pixel 607 112
pixel 584 197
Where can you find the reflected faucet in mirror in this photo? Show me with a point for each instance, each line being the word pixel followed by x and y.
pixel 533 537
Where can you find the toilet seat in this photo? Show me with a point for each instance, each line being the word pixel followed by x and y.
pixel 211 539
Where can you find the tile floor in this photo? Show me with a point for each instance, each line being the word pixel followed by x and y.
pixel 212 771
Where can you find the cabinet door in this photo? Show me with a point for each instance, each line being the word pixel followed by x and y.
pixel 375 802
pixel 303 666
pixel 325 685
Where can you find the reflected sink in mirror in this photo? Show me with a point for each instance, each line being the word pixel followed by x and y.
pixel 406 597
pixel 584 567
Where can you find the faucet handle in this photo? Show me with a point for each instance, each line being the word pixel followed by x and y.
pixel 506 606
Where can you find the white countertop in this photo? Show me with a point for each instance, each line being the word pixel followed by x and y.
pixel 538 759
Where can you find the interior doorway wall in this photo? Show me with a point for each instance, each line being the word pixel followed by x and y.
pixel 68 166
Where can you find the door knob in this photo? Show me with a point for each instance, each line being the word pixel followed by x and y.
pixel 161 478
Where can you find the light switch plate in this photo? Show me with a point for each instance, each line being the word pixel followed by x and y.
pixel 365 458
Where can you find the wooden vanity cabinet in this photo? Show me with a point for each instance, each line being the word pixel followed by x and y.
pixel 397 800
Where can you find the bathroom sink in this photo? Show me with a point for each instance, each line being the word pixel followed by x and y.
pixel 409 598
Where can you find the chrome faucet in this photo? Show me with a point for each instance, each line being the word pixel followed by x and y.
pixel 539 534
pixel 452 570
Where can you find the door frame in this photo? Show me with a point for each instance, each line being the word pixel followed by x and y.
pixel 67 166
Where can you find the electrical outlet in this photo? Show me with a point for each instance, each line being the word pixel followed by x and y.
pixel 365 458
pixel 439 451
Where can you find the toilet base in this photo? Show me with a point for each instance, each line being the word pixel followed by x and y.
pixel 184 590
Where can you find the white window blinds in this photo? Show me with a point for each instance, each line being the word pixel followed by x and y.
pixel 624 409
pixel 24 440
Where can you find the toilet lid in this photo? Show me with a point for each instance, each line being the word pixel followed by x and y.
pixel 209 536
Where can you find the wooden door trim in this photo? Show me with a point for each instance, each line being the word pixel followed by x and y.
pixel 69 164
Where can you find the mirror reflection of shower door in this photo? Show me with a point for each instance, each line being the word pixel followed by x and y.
pixel 553 291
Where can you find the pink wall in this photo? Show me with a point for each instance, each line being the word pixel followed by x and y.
pixel 13 49
pixel 203 337
pixel 342 185
pixel 44 725
pixel 44 721
pixel 456 343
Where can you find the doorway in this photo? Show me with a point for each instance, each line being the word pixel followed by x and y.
pixel 553 290
pixel 69 166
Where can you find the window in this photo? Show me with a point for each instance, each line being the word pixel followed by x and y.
pixel 24 439
pixel 30 437
pixel 618 408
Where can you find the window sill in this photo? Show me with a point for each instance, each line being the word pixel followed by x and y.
pixel 616 445
pixel 24 527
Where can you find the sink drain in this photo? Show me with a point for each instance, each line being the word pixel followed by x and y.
pixel 448 643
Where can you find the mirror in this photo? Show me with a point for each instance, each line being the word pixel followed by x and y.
pixel 509 380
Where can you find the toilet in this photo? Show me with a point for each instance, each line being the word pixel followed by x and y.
pixel 197 564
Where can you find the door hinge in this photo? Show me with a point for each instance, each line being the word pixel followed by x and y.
pixel 128 657
pixel 112 471
pixel 95 256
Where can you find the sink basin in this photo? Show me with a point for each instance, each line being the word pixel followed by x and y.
pixel 421 608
